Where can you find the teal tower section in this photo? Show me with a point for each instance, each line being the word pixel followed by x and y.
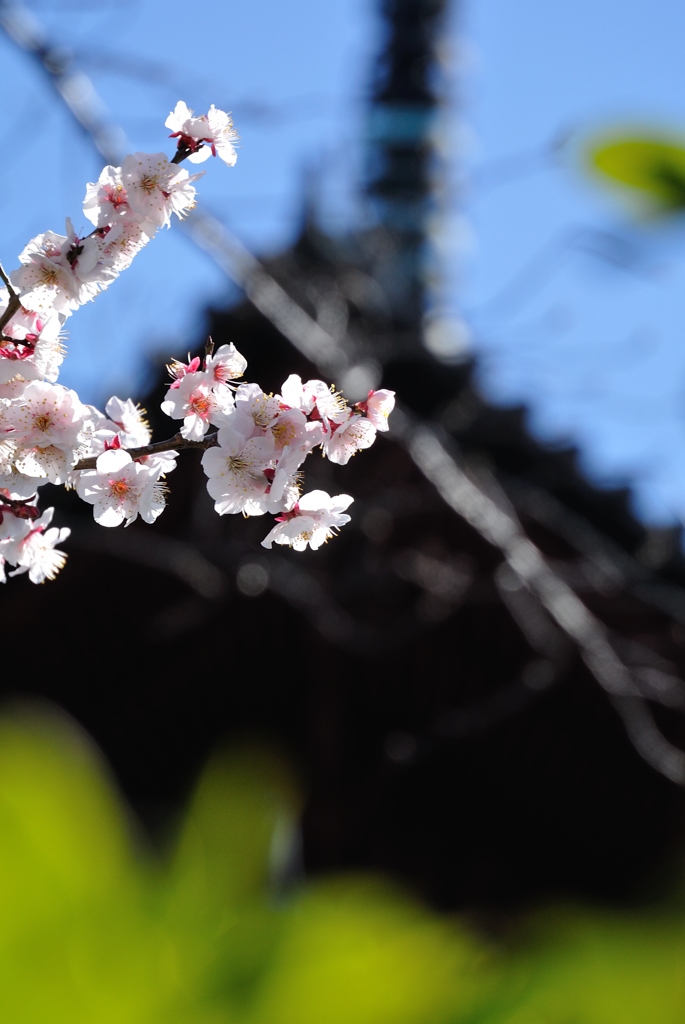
pixel 402 165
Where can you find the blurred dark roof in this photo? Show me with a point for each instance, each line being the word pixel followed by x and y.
pixel 446 728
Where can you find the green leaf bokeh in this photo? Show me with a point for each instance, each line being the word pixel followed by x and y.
pixel 95 929
pixel 649 169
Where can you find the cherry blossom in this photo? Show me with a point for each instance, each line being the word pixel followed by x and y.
pixel 292 429
pixel 61 272
pixel 215 129
pixel 226 364
pixel 157 188
pixel 123 241
pixel 284 489
pixel 254 409
pixel 331 407
pixel 178 370
pixel 198 403
pixel 44 280
pixel 236 472
pixel 15 484
pixel 38 557
pixel 345 441
pixel 378 407
pixel 129 420
pixel 48 426
pixel 106 200
pixel 296 395
pixel 32 346
pixel 27 543
pixel 120 489
pixel 254 443
pixel 314 520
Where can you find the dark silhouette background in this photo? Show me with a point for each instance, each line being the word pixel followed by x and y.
pixel 445 729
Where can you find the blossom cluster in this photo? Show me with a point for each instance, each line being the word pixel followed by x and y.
pixel 262 440
pixel 254 443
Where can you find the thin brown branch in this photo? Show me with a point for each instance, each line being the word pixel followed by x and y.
pixel 172 444
pixel 14 303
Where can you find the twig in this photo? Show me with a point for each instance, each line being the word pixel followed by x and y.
pixel 170 445
pixel 14 303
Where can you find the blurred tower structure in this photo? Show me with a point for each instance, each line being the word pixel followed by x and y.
pixel 404 175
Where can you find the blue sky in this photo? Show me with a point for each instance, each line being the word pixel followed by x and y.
pixel 296 101
pixel 595 348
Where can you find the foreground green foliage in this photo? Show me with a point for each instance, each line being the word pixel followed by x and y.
pixel 95 930
pixel 650 169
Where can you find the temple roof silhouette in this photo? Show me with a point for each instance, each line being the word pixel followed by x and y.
pixel 480 682
pixel 448 728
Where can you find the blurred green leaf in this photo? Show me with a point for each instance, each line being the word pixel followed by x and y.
pixel 217 891
pixel 222 859
pixel 71 925
pixel 354 950
pixel 598 968
pixel 651 168
pixel 93 930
